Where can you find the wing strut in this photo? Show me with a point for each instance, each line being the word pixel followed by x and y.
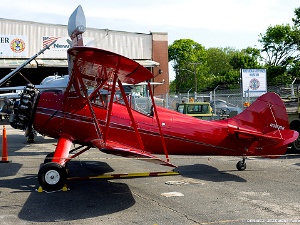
pixel 96 124
pixel 113 91
pixel 158 123
pixel 131 116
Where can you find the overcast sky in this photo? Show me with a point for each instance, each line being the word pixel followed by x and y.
pixel 212 23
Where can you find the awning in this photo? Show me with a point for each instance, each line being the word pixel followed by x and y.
pixel 147 63
pixel 14 63
pixel 52 62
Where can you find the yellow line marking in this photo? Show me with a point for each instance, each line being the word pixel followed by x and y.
pixel 127 175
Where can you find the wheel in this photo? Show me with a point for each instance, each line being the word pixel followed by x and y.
pixel 241 165
pixel 296 145
pixel 52 176
pixel 295 125
pixel 49 157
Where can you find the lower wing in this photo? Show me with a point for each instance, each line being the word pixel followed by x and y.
pixel 115 148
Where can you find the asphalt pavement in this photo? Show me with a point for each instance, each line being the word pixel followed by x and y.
pixel 209 190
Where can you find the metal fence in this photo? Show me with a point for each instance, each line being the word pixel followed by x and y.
pixel 233 97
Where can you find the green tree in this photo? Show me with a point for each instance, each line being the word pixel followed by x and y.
pixel 296 20
pixel 183 53
pixel 294 69
pixel 281 52
pixel 225 64
pixel 278 44
pixel 246 58
pixel 218 60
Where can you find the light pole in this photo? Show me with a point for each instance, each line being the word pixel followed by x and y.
pixel 190 88
pixel 195 65
pixel 189 71
pixel 195 77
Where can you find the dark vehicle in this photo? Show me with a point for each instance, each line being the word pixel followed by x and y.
pixel 225 109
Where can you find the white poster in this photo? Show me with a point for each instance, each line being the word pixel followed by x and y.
pixel 13 46
pixel 254 82
pixel 59 49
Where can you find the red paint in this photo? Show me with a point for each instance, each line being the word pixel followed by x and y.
pixel 261 129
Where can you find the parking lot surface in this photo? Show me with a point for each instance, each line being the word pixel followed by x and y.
pixel 209 190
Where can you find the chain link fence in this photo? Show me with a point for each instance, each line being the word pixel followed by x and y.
pixel 232 97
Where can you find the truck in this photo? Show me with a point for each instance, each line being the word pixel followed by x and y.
pixel 201 110
pixel 293 110
pixel 204 110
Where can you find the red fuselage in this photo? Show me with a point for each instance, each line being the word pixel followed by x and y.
pixel 182 134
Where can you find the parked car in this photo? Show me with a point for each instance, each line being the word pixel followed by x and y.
pixel 224 108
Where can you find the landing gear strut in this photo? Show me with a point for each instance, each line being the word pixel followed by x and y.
pixel 241 165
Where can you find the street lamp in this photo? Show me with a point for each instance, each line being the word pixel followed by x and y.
pixel 195 65
pixel 195 76
pixel 193 72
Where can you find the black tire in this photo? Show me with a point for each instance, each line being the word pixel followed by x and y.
pixel 241 165
pixel 49 157
pixel 296 145
pixel 52 176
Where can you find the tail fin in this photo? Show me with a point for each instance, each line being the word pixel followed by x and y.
pixel 266 122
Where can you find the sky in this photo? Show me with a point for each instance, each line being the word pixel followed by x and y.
pixel 211 23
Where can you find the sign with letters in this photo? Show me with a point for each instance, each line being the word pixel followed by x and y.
pixel 254 82
pixel 61 46
pixel 13 46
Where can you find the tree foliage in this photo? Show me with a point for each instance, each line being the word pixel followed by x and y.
pixel 202 69
pixel 183 53
pixel 218 60
pixel 211 67
pixel 296 20
pixel 279 45
pixel 281 51
pixel 246 58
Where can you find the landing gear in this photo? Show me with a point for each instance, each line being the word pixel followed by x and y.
pixel 49 157
pixel 241 165
pixel 52 176
pixel 296 145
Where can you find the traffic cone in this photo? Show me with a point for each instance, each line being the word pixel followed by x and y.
pixel 4 147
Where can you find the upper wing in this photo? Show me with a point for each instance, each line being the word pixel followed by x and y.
pixel 98 65
pixel 115 148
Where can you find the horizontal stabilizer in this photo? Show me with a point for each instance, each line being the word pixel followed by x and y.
pixel 130 152
pixel 279 135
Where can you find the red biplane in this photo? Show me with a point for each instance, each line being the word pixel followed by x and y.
pixel 83 115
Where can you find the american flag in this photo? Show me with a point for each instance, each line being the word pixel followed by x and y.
pixel 49 40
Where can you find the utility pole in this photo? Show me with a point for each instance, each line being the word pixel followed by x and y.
pixel 195 65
